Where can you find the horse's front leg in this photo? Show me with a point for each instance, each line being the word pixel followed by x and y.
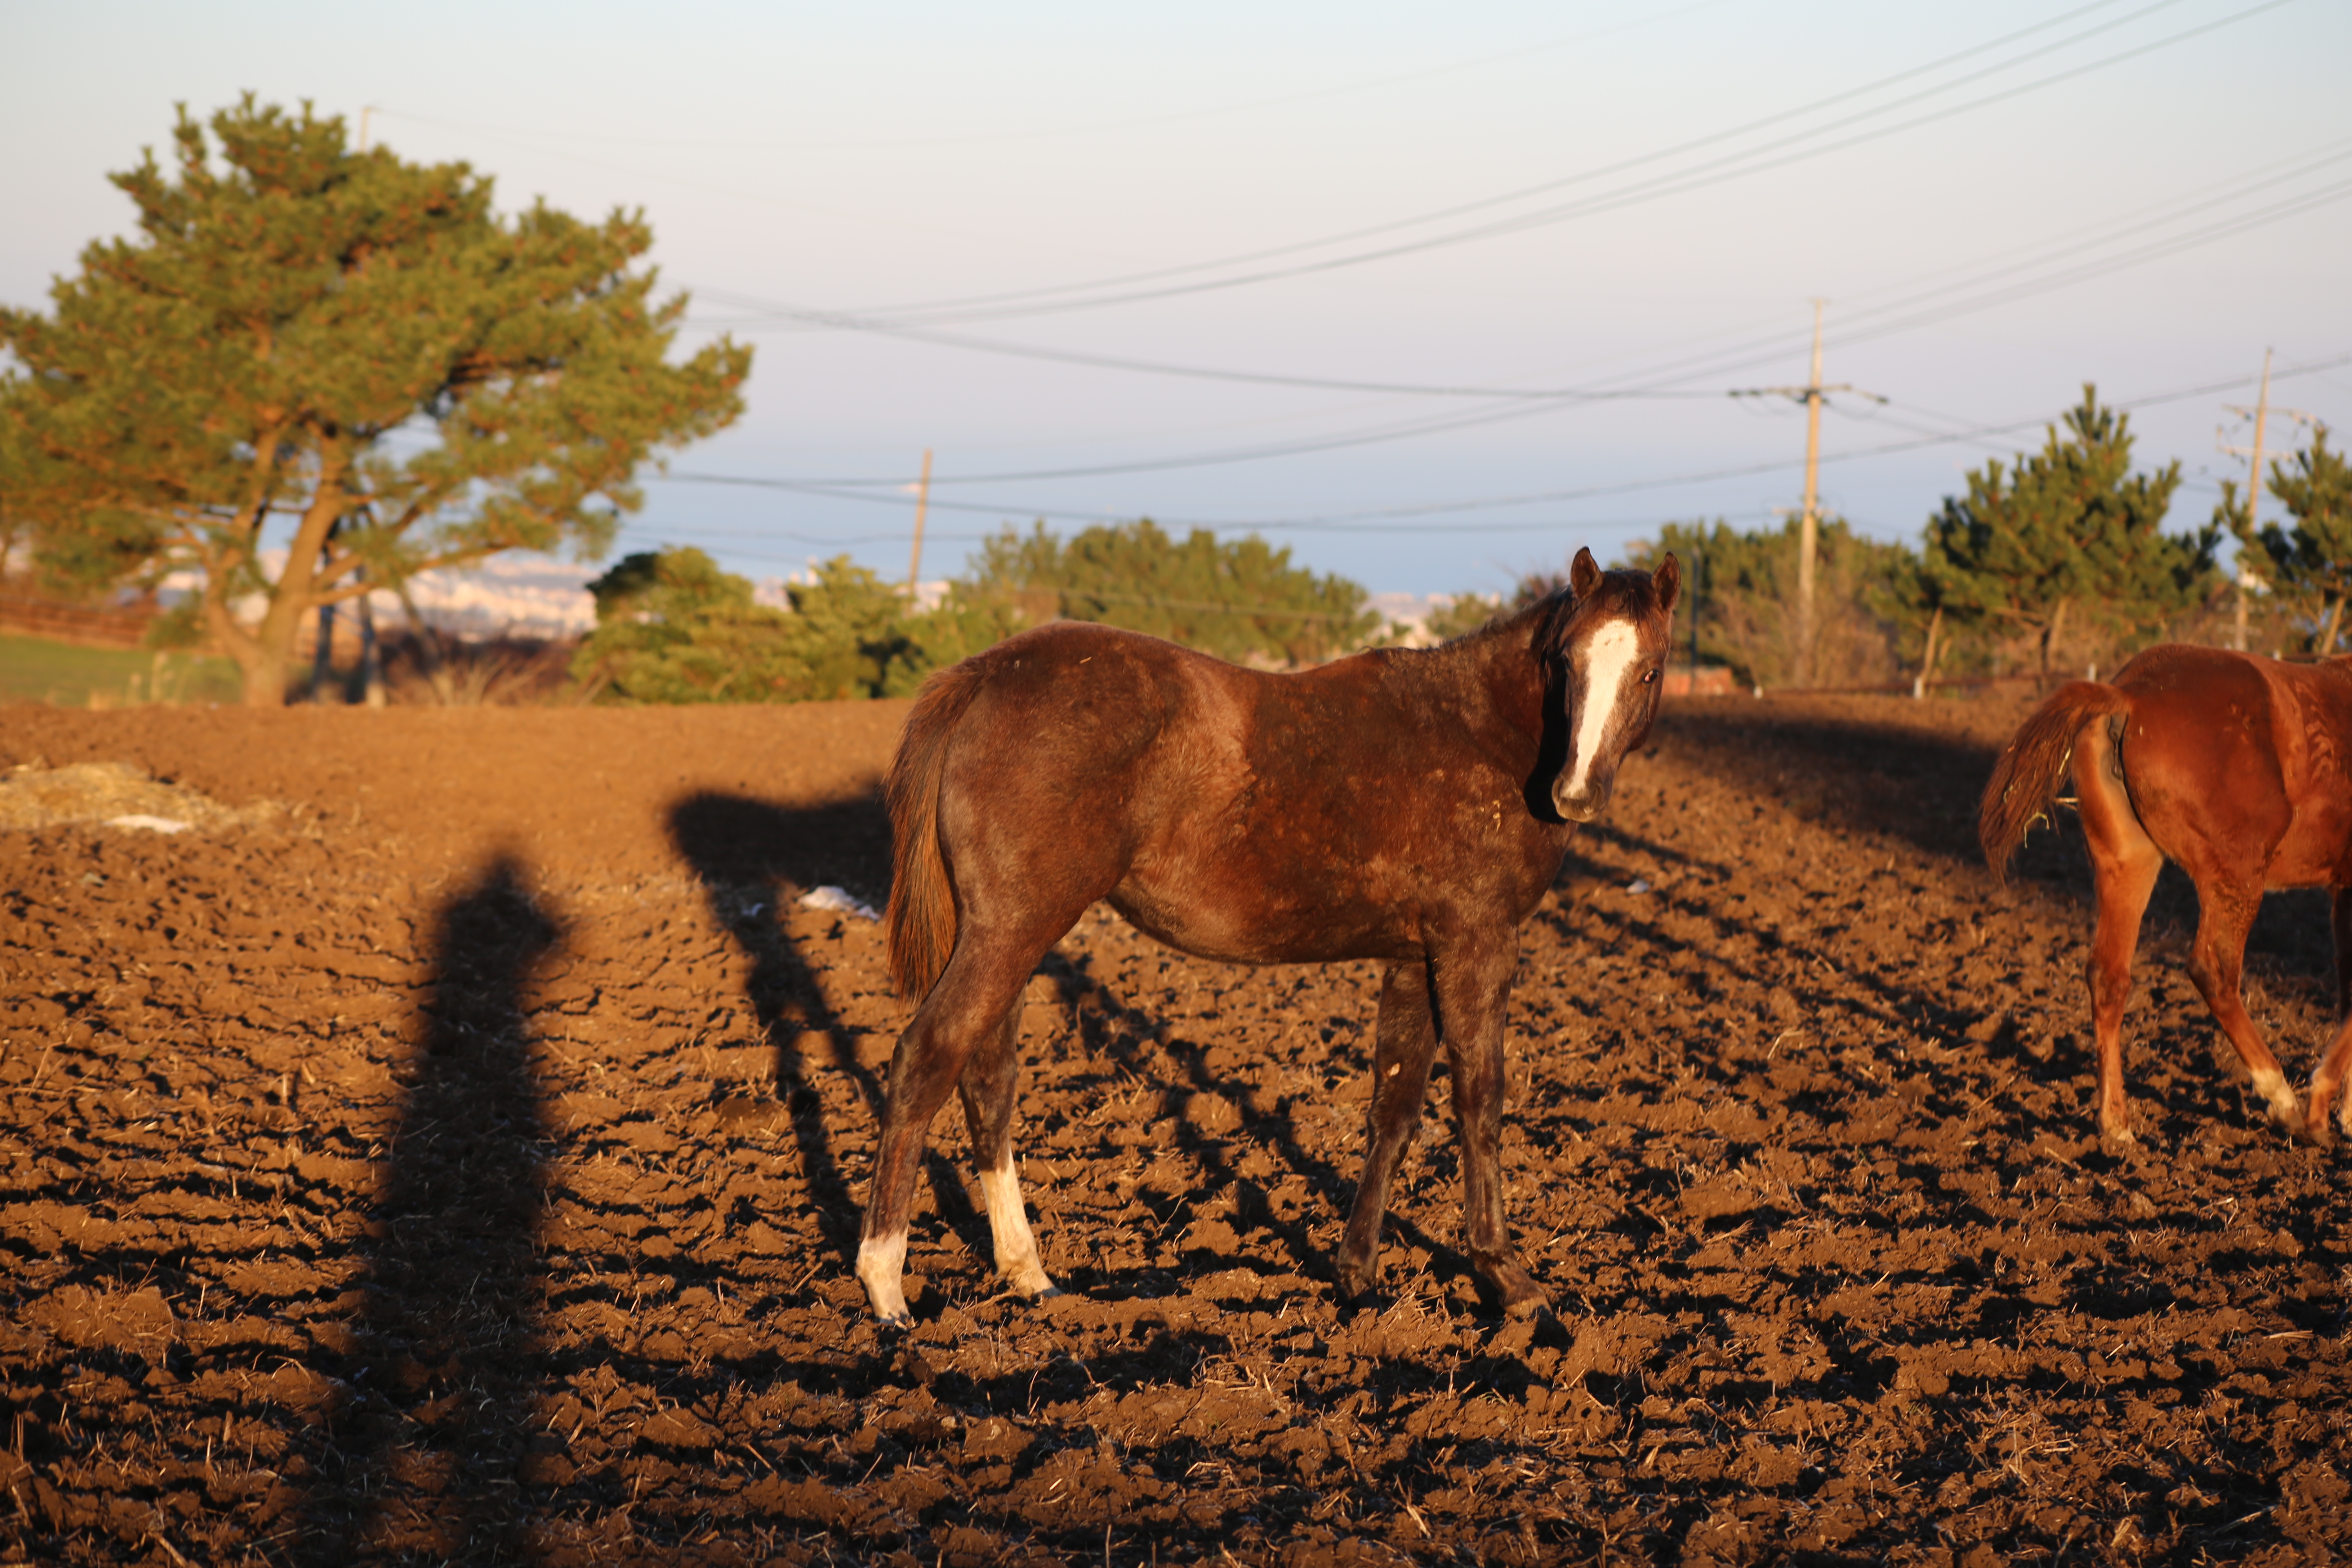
pixel 1406 1036
pixel 1473 988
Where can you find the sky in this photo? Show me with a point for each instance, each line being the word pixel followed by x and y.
pixel 1433 295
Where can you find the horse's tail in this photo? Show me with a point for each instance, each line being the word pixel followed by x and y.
pixel 2025 781
pixel 922 915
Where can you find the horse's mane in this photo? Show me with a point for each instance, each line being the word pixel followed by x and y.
pixel 1543 626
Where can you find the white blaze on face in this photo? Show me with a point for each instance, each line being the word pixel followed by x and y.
pixel 1610 656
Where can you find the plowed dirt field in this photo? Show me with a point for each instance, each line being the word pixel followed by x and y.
pixel 458 1160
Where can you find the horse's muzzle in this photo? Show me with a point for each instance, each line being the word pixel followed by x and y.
pixel 1580 806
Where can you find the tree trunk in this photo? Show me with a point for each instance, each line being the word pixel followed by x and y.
pixel 293 595
pixel 323 661
pixel 2334 614
pixel 370 654
pixel 2050 635
pixel 1927 656
pixel 429 643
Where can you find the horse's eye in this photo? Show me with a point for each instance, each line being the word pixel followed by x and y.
pixel 1648 676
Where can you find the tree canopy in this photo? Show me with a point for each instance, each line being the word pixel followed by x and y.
pixel 1741 588
pixel 2309 564
pixel 287 306
pixel 671 626
pixel 2069 526
pixel 1240 599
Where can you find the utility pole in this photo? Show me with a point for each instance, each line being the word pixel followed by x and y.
pixel 1809 533
pixel 2253 498
pixel 1813 395
pixel 365 110
pixel 922 505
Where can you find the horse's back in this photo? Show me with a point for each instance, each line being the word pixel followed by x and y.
pixel 2235 755
pixel 1235 814
pixel 1059 722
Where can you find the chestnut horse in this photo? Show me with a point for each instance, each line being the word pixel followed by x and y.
pixel 1407 805
pixel 2232 767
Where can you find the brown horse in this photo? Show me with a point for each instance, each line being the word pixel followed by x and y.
pixel 1411 806
pixel 2232 767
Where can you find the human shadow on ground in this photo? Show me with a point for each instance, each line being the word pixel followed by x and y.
pixel 423 1454
pixel 751 857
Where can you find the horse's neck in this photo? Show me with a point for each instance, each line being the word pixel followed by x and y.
pixel 1501 664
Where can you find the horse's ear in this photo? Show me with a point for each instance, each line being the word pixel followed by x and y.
pixel 1668 580
pixel 1583 574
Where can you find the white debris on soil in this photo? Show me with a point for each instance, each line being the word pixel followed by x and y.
pixel 117 795
pixel 839 899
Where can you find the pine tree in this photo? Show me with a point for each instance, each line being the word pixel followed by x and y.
pixel 2310 564
pixel 1741 588
pixel 2064 529
pixel 281 311
pixel 1238 600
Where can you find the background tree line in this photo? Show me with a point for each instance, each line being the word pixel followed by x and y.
pixel 672 627
pixel 357 355
pixel 360 354
pixel 2053 561
pixel 353 351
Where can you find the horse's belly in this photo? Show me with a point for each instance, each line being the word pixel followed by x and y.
pixel 2316 851
pixel 1245 930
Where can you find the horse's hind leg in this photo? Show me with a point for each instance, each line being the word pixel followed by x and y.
pixel 2340 920
pixel 1406 1044
pixel 2319 1122
pixel 1473 988
pixel 989 1088
pixel 2327 1079
pixel 2217 964
pixel 2123 865
pixel 968 1008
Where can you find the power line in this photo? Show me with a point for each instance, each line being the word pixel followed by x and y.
pixel 1433 425
pixel 1259 378
pixel 1763 349
pixel 1389 520
pixel 1760 350
pixel 1505 198
pixel 1678 183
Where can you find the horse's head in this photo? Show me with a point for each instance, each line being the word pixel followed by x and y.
pixel 1606 647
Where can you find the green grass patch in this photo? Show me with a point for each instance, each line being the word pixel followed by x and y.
pixel 40 670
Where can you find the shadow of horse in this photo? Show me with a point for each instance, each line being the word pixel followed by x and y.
pixel 752 857
pixel 1921 786
pixel 424 1449
pixel 1134 1041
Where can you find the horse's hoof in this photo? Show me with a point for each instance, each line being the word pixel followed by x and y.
pixel 1034 1285
pixel 2318 1126
pixel 1515 1290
